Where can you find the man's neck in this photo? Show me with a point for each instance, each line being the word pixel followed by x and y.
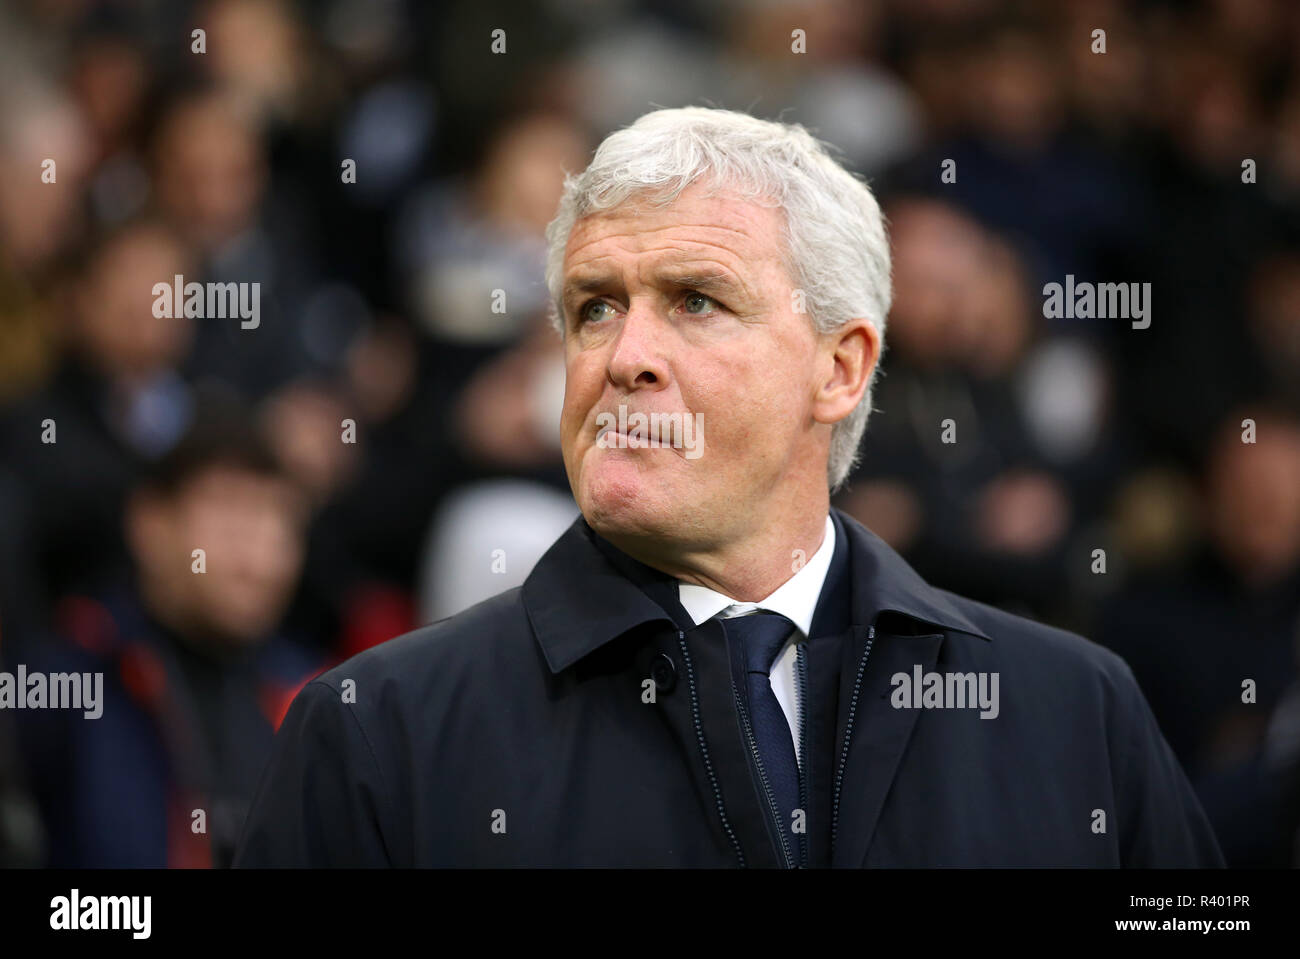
pixel 746 570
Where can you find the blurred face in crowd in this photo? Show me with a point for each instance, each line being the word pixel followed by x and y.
pixel 250 526
pixel 37 220
pixel 960 297
pixel 210 169
pixel 1254 489
pixel 1014 89
pixel 688 309
pixel 521 182
pixel 256 50
pixel 114 318
pixel 937 256
pixel 110 80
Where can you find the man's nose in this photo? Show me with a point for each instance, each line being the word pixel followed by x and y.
pixel 637 360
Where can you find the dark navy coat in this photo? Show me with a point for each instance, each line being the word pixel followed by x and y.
pixel 582 720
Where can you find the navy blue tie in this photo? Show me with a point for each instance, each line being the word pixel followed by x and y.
pixel 762 635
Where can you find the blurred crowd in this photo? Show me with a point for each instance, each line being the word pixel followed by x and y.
pixel 382 450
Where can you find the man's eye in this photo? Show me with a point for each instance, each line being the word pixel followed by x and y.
pixel 699 303
pixel 585 314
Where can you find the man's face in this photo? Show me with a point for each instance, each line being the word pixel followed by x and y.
pixel 116 323
pixel 688 309
pixel 251 528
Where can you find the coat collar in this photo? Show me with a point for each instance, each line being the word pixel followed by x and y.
pixel 584 592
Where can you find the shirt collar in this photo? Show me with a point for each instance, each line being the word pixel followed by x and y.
pixel 795 599
pixel 585 592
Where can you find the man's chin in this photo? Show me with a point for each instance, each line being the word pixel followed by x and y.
pixel 627 505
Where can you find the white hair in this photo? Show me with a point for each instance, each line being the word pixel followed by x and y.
pixel 835 244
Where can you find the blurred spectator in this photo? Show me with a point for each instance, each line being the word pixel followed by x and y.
pixel 37 221
pixel 475 252
pixel 1214 645
pixel 259 53
pixel 116 403
pixel 990 507
pixel 836 87
pixel 110 78
pixel 1077 208
pixel 210 174
pixel 195 679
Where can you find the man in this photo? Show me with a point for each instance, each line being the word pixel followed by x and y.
pixel 116 404
pixel 194 676
pixel 711 667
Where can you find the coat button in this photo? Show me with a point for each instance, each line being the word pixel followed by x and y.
pixel 664 672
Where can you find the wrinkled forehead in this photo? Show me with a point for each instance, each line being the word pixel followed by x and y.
pixel 699 221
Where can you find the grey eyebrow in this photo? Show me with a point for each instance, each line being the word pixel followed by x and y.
pixel 717 280
pixel 583 285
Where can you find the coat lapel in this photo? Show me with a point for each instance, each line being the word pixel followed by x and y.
pixel 879 734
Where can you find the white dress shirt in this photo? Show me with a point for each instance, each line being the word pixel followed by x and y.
pixel 795 599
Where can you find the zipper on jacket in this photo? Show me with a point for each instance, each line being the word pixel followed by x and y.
pixel 848 734
pixel 801 686
pixel 704 751
pixel 767 789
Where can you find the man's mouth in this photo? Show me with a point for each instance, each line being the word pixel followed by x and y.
pixel 624 430
pixel 650 438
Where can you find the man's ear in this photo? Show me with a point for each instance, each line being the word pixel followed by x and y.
pixel 847 358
